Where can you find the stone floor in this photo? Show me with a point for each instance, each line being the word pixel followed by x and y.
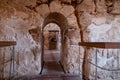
pixel 51 62
pixel 49 77
pixel 52 69
pixel 51 55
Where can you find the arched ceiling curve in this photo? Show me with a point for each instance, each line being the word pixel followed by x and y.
pixel 57 18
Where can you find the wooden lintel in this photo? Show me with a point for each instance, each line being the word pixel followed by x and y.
pixel 7 43
pixel 53 30
pixel 107 45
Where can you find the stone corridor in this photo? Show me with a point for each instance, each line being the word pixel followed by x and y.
pixel 52 63
pixel 52 69
pixel 35 25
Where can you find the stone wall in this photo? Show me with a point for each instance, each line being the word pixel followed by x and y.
pixel 98 20
pixel 23 21
pixel 100 23
pixel 15 22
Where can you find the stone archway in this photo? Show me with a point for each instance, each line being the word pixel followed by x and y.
pixel 69 42
pixel 63 16
pixel 61 21
pixel 27 25
pixel 52 37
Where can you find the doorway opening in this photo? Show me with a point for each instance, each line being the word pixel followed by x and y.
pixel 52 42
pixel 53 39
pixel 52 49
pixel 59 20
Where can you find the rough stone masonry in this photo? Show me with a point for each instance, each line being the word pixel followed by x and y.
pixel 86 20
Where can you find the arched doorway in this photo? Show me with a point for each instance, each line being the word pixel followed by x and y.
pixel 61 21
pixel 52 42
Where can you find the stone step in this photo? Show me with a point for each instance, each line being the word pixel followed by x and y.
pixel 52 67
pixel 50 77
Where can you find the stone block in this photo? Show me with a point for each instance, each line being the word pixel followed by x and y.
pixel 99 21
pixel 55 6
pixel 87 6
pixel 22 15
pixel 116 7
pixel 72 20
pixel 67 10
pixel 43 9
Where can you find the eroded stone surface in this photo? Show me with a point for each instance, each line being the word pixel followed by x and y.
pixel 43 9
pixel 15 27
pixel 27 53
pixel 99 21
pixel 16 23
pixel 67 10
pixel 55 6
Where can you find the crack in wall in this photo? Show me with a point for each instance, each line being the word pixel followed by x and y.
pixel 78 22
pixel 95 3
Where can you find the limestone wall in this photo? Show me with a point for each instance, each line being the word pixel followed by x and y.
pixel 15 22
pixel 100 23
pixel 23 21
pixel 89 20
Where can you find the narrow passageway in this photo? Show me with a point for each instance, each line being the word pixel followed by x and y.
pixel 53 43
pixel 52 69
pixel 51 55
pixel 52 63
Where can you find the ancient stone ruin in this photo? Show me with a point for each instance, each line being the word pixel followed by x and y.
pixel 41 25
